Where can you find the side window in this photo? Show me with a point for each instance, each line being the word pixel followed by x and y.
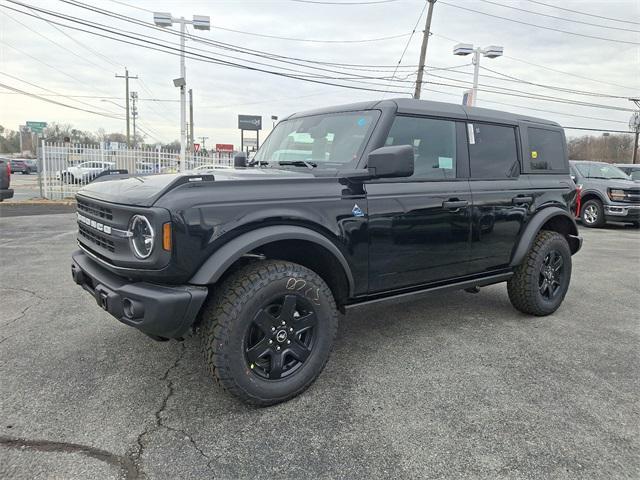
pixel 433 142
pixel 493 151
pixel 546 150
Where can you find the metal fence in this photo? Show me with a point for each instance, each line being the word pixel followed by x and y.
pixel 65 167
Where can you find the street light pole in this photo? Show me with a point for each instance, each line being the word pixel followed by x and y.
pixel 492 51
pixel 199 22
pixel 183 98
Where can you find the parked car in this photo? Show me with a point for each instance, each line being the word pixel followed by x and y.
pixel 5 179
pixel 84 172
pixel 21 165
pixel 146 168
pixel 381 208
pixel 631 169
pixel 607 194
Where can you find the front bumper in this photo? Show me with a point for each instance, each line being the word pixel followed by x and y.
pixel 160 311
pixel 621 212
pixel 6 193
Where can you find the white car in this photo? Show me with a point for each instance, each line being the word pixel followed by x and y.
pixel 84 172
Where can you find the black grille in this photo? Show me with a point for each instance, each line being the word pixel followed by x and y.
pixel 95 237
pixel 95 209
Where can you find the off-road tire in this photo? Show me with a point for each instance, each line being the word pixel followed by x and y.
pixel 524 286
pixel 230 311
pixel 597 205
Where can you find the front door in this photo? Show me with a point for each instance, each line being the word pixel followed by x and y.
pixel 419 227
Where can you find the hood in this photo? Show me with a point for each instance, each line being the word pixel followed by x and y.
pixel 147 189
pixel 621 184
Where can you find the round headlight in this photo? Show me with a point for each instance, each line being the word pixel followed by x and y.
pixel 142 236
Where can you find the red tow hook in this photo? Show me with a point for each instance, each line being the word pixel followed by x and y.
pixel 578 200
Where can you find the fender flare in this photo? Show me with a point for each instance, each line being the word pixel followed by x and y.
pixel 596 193
pixel 535 225
pixel 213 268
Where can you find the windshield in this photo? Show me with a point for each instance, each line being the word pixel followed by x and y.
pixel 597 170
pixel 320 141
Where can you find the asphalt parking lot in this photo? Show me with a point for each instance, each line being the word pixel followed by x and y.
pixel 452 386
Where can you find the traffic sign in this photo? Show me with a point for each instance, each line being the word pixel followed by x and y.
pixel 196 147
pixel 36 127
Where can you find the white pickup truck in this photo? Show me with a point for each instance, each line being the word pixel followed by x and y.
pixel 84 172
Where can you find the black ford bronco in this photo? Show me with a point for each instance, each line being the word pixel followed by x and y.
pixel 344 206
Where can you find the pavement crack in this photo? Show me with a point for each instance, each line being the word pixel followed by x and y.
pixel 128 469
pixel 141 444
pixel 25 290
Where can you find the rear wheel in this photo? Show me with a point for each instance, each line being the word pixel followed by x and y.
pixel 540 283
pixel 592 214
pixel 268 331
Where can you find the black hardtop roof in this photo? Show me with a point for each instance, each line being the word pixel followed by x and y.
pixel 427 107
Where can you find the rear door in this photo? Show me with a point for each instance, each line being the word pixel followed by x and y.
pixel 419 227
pixel 501 196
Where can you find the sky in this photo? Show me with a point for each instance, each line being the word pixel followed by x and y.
pixel 74 68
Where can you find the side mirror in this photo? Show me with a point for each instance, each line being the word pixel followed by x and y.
pixel 240 160
pixel 390 162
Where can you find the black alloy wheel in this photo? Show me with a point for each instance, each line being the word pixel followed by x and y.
pixel 280 338
pixel 551 275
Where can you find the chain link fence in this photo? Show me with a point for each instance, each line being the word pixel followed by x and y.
pixel 65 167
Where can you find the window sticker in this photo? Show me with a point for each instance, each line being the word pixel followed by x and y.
pixel 472 137
pixel 445 162
pixel 362 122
pixel 534 154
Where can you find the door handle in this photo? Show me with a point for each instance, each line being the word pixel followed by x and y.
pixel 520 199
pixel 454 204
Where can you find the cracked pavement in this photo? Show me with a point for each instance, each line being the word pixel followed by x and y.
pixel 454 385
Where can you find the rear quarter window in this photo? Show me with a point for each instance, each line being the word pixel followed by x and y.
pixel 546 150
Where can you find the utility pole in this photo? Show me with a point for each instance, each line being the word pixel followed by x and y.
pixel 423 49
pixel 199 22
pixel 134 114
pixel 191 137
pixel 126 77
pixel 203 139
pixel 634 125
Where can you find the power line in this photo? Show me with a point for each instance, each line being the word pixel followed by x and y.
pixel 559 18
pixel 538 26
pixel 200 57
pixel 583 13
pixel 33 95
pixel 51 92
pixel 86 47
pixel 308 40
pixel 195 56
pixel 453 40
pixel 319 2
pixel 552 87
pixel 408 42
pixel 84 59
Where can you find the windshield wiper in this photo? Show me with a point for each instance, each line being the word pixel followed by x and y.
pixel 299 163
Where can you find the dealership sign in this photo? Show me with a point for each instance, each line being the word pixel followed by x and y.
pixel 224 147
pixel 249 122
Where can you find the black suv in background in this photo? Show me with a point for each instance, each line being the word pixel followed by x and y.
pixel 352 205
pixel 607 194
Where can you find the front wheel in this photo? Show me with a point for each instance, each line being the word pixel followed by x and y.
pixel 540 283
pixel 592 214
pixel 267 332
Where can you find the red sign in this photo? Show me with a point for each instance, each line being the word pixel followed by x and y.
pixel 196 147
pixel 224 147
